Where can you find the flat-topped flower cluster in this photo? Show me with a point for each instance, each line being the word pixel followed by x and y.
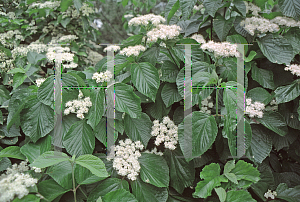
pixel 15 183
pixel 294 68
pixel 206 104
pixel 255 109
pixel 125 159
pixel 166 132
pixel 102 76
pixel 221 49
pixel 79 106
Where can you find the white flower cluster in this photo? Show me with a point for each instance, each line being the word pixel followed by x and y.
pixel 112 48
pixel 221 49
pixel 11 34
pixel 79 106
pixel 132 50
pixel 146 19
pixel 47 4
pixel 154 151
pixel 166 132
pixel 255 109
pixel 259 24
pixel 289 22
pixel 128 16
pixel 102 76
pixel 270 194
pixel 56 53
pixel 294 68
pixel 39 81
pixel 199 38
pixel 86 9
pixel 126 158
pixel 274 106
pixel 163 32
pixel 250 6
pixel 14 182
pixel 67 38
pixel 206 104
pixel 71 12
pixel 198 8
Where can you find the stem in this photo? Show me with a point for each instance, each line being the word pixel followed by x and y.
pixel 83 192
pixel 73 178
pixel 217 93
pixel 31 79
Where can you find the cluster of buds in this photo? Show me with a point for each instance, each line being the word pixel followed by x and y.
pixel 163 32
pixel 79 106
pixel 259 24
pixel 146 19
pixel 206 104
pixel 112 48
pixel 255 109
pixel 166 132
pixel 125 159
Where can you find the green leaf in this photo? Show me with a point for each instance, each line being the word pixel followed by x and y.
pixel 49 158
pixel 290 8
pixel 132 41
pixel 259 94
pixel 170 94
pixel 79 139
pixel 229 166
pixel 34 57
pixel 16 70
pixel 245 171
pixel 263 77
pixel 46 90
pixel 64 5
pixel 50 189
pixel 154 169
pixel 250 57
pixel 4 164
pixel 4 94
pixel 222 26
pixel 145 191
pixel 28 198
pixel 85 176
pixel 288 92
pixel 277 50
pixel 37 121
pixel 201 135
pixel 293 36
pixel 186 7
pixel 106 186
pixel 33 150
pixel 169 71
pixel 158 109
pixel 237 196
pixel 98 108
pixel 145 78
pixel 78 4
pixel 12 152
pixel 138 128
pixel 211 6
pixel 182 173
pixel 241 6
pixel 275 122
pixel 151 54
pixel 64 22
pixel 126 100
pixel 119 195
pixel 18 79
pixel 261 144
pixel 93 163
pixel 171 8
pixel 212 178
pixel 288 194
pixel 62 174
pixel 231 177
pixel 221 193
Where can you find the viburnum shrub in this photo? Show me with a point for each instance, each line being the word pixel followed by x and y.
pixel 233 136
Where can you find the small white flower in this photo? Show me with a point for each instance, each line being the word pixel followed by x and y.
pixel 39 81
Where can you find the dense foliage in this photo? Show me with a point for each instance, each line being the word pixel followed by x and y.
pixel 151 160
